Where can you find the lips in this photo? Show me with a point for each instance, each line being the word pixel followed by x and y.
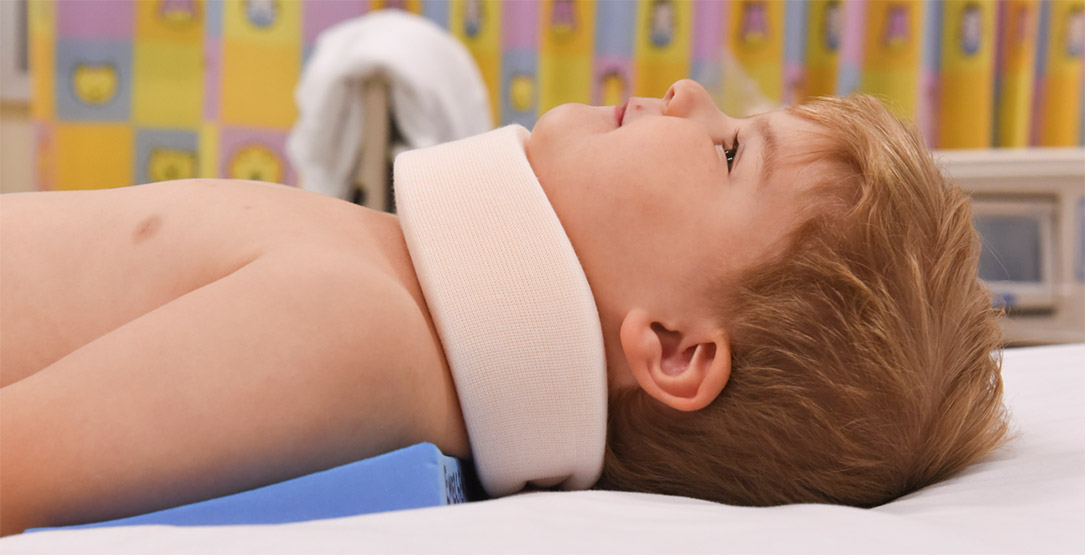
pixel 619 112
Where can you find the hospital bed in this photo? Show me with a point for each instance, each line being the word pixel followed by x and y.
pixel 1026 498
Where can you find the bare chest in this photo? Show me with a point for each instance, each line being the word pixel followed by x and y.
pixel 77 265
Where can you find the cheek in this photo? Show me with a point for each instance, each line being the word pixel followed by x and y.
pixel 665 179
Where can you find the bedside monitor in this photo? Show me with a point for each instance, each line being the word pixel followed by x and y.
pixel 1018 250
pixel 1028 206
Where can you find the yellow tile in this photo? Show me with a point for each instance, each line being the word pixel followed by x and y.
pixel 489 65
pixel 258 82
pixel 268 21
pixel 168 87
pixel 653 78
pixel 412 6
pixel 477 24
pixel 565 39
pixel 671 24
pixel 208 154
pixel 954 58
pixel 895 88
pixel 94 156
pixel 563 79
pixel 172 21
pixel 43 101
pixel 42 18
pixel 1062 111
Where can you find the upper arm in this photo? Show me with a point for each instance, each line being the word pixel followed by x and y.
pixel 260 376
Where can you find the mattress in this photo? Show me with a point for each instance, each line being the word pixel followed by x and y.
pixel 1027 497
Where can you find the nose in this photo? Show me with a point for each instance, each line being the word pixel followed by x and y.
pixel 688 99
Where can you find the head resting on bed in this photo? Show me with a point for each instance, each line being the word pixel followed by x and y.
pixel 862 363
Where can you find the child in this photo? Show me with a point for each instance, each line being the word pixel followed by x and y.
pixel 779 309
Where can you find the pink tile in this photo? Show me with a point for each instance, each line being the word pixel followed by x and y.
pixel 212 78
pixel 321 14
pixel 520 20
pixel 95 19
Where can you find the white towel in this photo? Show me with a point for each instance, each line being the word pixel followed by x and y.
pixel 437 93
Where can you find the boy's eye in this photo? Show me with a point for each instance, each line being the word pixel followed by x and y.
pixel 728 154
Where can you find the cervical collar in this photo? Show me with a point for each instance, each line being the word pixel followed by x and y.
pixel 513 309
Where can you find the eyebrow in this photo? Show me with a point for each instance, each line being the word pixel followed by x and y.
pixel 768 151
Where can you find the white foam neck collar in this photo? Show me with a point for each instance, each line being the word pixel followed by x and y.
pixel 513 309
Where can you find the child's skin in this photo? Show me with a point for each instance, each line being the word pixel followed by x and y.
pixel 174 342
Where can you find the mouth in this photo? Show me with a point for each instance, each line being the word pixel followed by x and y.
pixel 619 113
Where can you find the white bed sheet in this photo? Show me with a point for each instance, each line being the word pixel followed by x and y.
pixel 1028 498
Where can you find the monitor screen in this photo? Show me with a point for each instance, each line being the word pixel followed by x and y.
pixel 1012 248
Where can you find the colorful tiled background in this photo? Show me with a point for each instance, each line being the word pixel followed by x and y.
pixel 132 91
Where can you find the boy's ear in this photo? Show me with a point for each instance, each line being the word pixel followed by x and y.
pixel 683 368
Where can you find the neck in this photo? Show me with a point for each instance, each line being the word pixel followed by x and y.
pixel 434 408
pixel 514 310
pixel 610 319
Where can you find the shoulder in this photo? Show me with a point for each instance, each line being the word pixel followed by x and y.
pixel 334 281
pixel 358 325
pixel 359 307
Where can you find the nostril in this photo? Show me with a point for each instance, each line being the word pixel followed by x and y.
pixel 670 94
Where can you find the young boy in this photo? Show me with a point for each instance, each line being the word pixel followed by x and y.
pixel 779 309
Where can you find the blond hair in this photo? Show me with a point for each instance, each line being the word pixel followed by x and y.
pixel 864 359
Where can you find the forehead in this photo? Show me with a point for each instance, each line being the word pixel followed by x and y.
pixel 791 130
pixel 801 177
pixel 788 149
